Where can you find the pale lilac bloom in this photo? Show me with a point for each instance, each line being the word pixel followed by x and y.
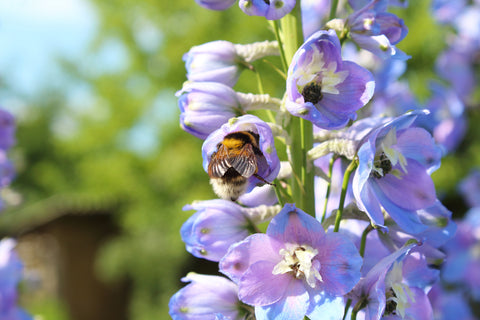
pixel 469 187
pixel 462 266
pixel 295 269
pixel 271 10
pixel 358 4
pixel 261 195
pixel 216 4
pixel 323 88
pixel 448 305
pixel 216 61
pixel 394 288
pixel 468 26
pixel 314 14
pixel 376 30
pixel 395 162
pixel 215 226
pixel 218 224
pixel 7 130
pixel 11 269
pixel 440 229
pixel 446 120
pixel 207 297
pixel 446 11
pixel 268 164
pixel 455 66
pixel 205 106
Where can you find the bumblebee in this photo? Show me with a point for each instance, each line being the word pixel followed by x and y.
pixel 234 162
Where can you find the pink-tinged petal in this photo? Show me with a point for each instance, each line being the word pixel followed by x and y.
pixel 418 144
pixel 340 264
pixel 260 287
pixel 412 191
pixel 292 306
pixel 241 255
pixel 292 225
pixel 354 92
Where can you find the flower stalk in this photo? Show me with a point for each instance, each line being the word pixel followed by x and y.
pixel 301 131
pixel 346 178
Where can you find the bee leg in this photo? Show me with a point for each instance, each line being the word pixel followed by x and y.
pixel 263 180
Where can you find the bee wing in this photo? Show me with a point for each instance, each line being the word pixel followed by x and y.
pixel 245 161
pixel 219 163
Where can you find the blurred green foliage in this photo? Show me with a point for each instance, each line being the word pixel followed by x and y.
pixel 94 160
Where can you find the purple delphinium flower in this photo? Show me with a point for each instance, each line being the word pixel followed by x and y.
pixel 11 268
pixel 314 14
pixel 455 66
pixel 223 61
pixel 205 106
pixel 216 4
pixel 446 120
pixel 448 305
pixel 462 266
pixel 324 89
pixel 217 224
pixel 267 163
pixel 393 173
pixel 394 287
pixel 272 9
pixel 7 130
pixel 376 30
pixel 470 188
pixel 207 297
pixel 445 11
pixel 440 229
pixel 295 269
pixel 215 61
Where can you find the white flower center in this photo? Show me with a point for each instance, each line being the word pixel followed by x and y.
pixel 402 294
pixel 388 157
pixel 319 73
pixel 298 261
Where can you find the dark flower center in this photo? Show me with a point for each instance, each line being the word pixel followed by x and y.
pixel 382 163
pixel 391 305
pixel 312 92
pixel 267 1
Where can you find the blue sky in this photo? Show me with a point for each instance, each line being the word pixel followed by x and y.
pixel 33 33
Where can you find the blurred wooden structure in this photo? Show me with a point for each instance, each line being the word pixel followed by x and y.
pixel 58 241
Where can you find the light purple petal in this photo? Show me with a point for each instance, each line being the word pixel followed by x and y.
pixel 418 144
pixel 260 287
pixel 340 264
pixel 292 225
pixel 412 191
pixel 408 220
pixel 240 256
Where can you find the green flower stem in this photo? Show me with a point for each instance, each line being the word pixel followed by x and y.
pixel 363 241
pixel 346 179
pixel 276 29
pixel 329 186
pixel 333 9
pixel 347 306
pixel 301 131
